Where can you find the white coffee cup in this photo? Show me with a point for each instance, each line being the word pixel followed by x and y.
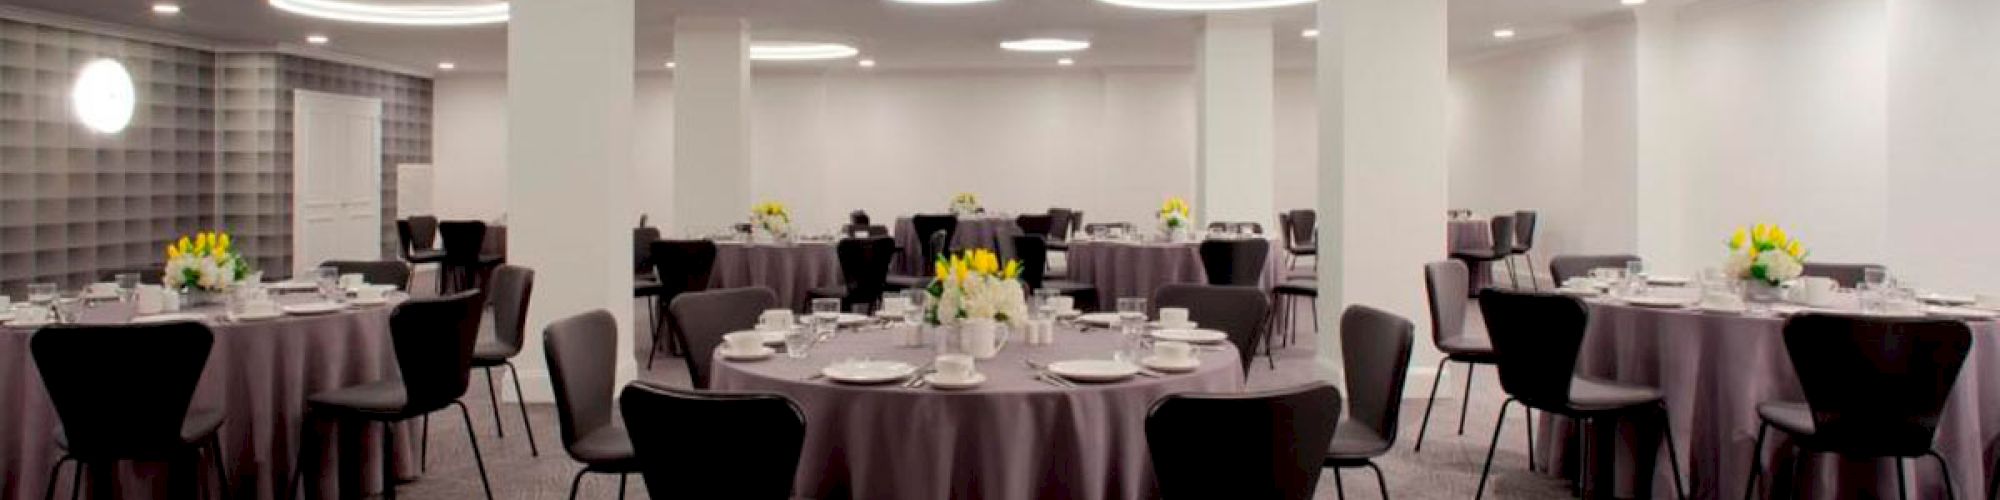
pixel 1814 290
pixel 954 366
pixel 151 299
pixel 32 315
pixel 775 319
pixel 1170 351
pixel 1173 317
pixel 352 281
pixel 101 289
pixel 895 305
pixel 1063 304
pixel 744 342
pixel 261 308
pixel 370 293
pixel 6 302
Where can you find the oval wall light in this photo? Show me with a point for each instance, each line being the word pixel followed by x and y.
pixel 103 96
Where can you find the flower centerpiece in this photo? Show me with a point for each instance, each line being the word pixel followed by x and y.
pixel 203 265
pixel 771 220
pixel 1763 256
pixel 965 204
pixel 1175 219
pixel 975 293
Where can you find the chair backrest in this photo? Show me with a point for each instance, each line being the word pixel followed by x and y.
pixel 1536 337
pixel 121 391
pixel 1848 275
pixel 1235 310
pixel 864 265
pixel 423 232
pixel 872 230
pixel 701 441
pixel 1235 262
pixel 702 318
pixel 433 338
pixel 683 265
pixel 1524 230
pixel 377 272
pixel 1247 446
pixel 642 249
pixel 928 227
pixel 1564 267
pixel 1445 282
pixel 463 239
pixel 513 287
pixel 1037 224
pixel 858 218
pixel 1061 223
pixel 147 273
pixel 1876 385
pixel 1033 252
pixel 1305 223
pixel 582 352
pixel 1375 346
pixel 1502 227
pixel 405 239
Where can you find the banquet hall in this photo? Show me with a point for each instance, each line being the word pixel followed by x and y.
pixel 999 249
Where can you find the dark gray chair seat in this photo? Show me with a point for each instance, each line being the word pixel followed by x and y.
pixel 491 350
pixel 900 282
pixel 610 445
pixel 426 256
pixel 582 354
pixel 1305 250
pixel 196 428
pixel 384 398
pixel 1591 395
pixel 1793 418
pixel 1353 442
pixel 1467 349
pixel 1306 287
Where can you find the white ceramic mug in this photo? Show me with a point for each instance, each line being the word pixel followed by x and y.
pixel 152 299
pixel 1814 290
pixel 1173 352
pixel 101 289
pixel 775 319
pixel 370 293
pixel 352 281
pixel 1063 304
pixel 895 305
pixel 954 366
pixel 744 342
pixel 1173 317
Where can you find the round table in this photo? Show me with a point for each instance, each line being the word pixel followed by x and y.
pixel 1135 269
pixel 1012 438
pixel 988 232
pixel 791 270
pixel 259 374
pixel 1714 368
pixel 1471 235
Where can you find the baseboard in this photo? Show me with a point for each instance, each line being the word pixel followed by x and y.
pixel 1414 387
pixel 535 387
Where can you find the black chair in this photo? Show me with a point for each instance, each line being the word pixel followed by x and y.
pixel 417 236
pixel 465 264
pixel 1874 387
pixel 1033 252
pixel 1848 275
pixel 582 353
pixel 1236 227
pixel 1238 311
pixel 1445 283
pixel 935 234
pixel 858 218
pixel 147 274
pixel 682 266
pixel 1375 347
pixel 1235 262
pixel 644 283
pixel 1536 337
pixel 1301 229
pixel 1503 246
pixel 1524 240
pixel 1035 224
pixel 1244 446
pixel 1564 267
pixel 864 266
pixel 1062 222
pixel 702 318
pixel 864 231
pixel 377 272
pixel 434 340
pixel 1284 295
pixel 704 444
pixel 513 286
pixel 123 393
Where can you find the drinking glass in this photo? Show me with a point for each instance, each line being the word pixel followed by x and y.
pixel 41 294
pixel 1044 297
pixel 825 314
pixel 328 280
pixel 914 315
pixel 1132 323
pixel 1874 278
pixel 68 309
pixel 797 342
pixel 127 282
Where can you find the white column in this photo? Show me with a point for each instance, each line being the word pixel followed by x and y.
pixel 1382 88
pixel 1661 186
pixel 569 163
pixel 711 122
pixel 1236 149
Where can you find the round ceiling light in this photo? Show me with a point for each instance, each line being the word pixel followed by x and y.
pixel 800 51
pixel 941 2
pixel 104 96
pixel 1045 45
pixel 359 11
pixel 1205 4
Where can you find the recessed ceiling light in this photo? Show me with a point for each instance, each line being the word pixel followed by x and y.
pixel 867 63
pixel 317 39
pixel 670 65
pixel 941 2
pixel 1045 45
pixel 1632 2
pixel 1205 4
pixel 447 65
pixel 375 12
pixel 1066 62
pixel 166 8
pixel 800 51
pixel 103 96
pixel 1310 33
pixel 1503 33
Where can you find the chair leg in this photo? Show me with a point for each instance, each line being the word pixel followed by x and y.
pixel 1673 453
pixel 76 480
pixel 1902 489
pixel 1792 476
pixel 424 447
pixel 1529 419
pixel 522 398
pixel 221 471
pixel 49 493
pixel 1465 402
pixel 493 399
pixel 474 438
pixel 1425 424
pixel 1534 281
pixel 1950 492
pixel 1756 460
pixel 1339 488
pixel 1511 278
pixel 1493 445
pixel 575 482
pixel 1380 481
pixel 307 448
pixel 621 485
pixel 388 461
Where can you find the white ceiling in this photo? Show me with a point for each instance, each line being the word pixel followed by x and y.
pixel 895 35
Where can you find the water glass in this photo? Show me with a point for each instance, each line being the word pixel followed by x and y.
pixel 127 282
pixel 41 294
pixel 919 303
pixel 328 280
pixel 69 309
pixel 797 342
pixel 1874 278
pixel 1132 323
pixel 825 315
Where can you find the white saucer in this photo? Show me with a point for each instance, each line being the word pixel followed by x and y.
pixel 1738 309
pixel 100 296
pixel 369 302
pixel 761 353
pixel 1666 281
pixel 313 308
pixel 937 380
pixel 1094 370
pixel 772 337
pixel 1961 312
pixel 1192 336
pixel 1099 319
pixel 1186 365
pixel 1660 302
pixel 167 318
pixel 29 324
pixel 868 372
pixel 6 316
pixel 1946 300
pixel 1184 326
pixel 1578 292
pixel 256 316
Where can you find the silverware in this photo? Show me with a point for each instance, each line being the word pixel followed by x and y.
pixel 815 376
pixel 1042 371
pixel 917 377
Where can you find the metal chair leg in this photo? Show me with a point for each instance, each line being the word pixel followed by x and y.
pixel 1490 447
pixel 575 482
pixel 1528 415
pixel 523 400
pixel 56 473
pixel 424 447
pixel 388 461
pixel 1425 424
pixel 1534 281
pixel 1792 477
pixel 221 471
pixel 1950 492
pixel 1673 453
pixel 1512 279
pixel 1465 402
pixel 1756 463
pixel 1338 488
pixel 1902 489
pixel 76 480
pixel 476 458
pixel 494 400
pixel 621 485
pixel 1380 481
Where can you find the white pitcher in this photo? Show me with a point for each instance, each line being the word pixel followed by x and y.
pixel 982 338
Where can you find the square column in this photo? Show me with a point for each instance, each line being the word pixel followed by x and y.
pixel 1660 196
pixel 711 122
pixel 1236 149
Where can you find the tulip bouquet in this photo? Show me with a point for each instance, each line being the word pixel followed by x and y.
pixel 1765 254
pixel 965 204
pixel 206 262
pixel 1175 215
pixel 975 285
pixel 772 218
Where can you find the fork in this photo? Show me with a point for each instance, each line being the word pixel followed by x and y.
pixel 1042 371
pixel 917 377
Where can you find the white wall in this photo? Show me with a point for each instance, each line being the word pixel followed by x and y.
pixel 1944 142
pixel 468 147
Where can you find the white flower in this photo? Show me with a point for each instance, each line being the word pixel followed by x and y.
pixel 1780 267
pixel 1738 265
pixel 176 272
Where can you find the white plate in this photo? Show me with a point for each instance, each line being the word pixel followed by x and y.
pixel 1737 309
pixel 771 337
pixel 1099 319
pixel 937 380
pixel 369 302
pixel 1960 312
pixel 1664 302
pixel 1946 300
pixel 256 316
pixel 30 324
pixel 761 353
pixel 292 286
pixel 1093 370
pixel 1578 292
pixel 1187 326
pixel 100 296
pixel 1192 336
pixel 1666 280
pixel 868 372
pixel 313 308
pixel 1157 364
pixel 845 319
pixel 6 316
pixel 168 318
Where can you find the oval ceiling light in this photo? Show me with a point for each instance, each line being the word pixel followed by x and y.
pixel 941 2
pixel 360 11
pixel 1205 4
pixel 1045 45
pixel 800 51
pixel 104 96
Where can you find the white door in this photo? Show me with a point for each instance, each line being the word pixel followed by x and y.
pixel 336 179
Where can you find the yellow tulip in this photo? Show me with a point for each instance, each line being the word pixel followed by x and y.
pixel 1013 269
pixel 1736 240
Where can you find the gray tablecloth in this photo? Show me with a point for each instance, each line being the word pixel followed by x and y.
pixel 1013 438
pixel 973 232
pixel 790 270
pixel 1124 269
pixel 1471 235
pixel 1714 370
pixel 259 374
